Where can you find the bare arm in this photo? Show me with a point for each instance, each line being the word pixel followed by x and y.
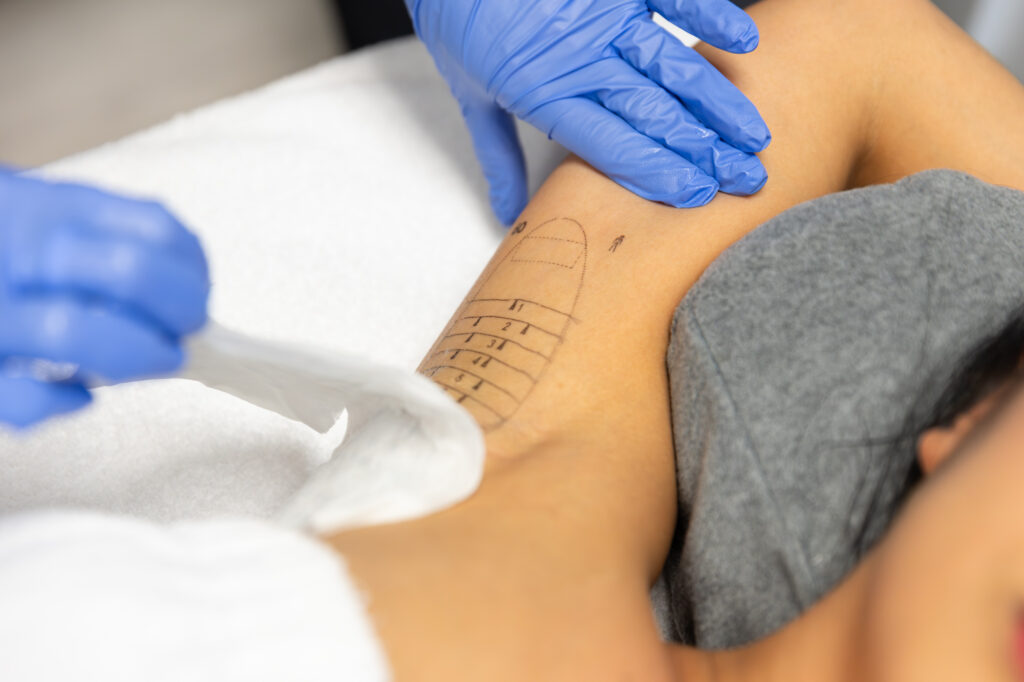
pixel 579 297
pixel 559 350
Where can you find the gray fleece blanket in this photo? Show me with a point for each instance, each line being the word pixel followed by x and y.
pixel 795 363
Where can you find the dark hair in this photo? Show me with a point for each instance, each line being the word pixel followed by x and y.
pixel 982 371
pixel 987 367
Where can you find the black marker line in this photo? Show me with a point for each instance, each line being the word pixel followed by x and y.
pixel 523 300
pixel 546 262
pixel 492 357
pixel 558 239
pixel 499 415
pixel 528 350
pixel 514 319
pixel 473 374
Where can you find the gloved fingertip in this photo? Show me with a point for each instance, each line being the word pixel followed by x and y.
pixel 26 402
pixel 758 186
pixel 507 215
pixel 750 39
pixel 696 195
pixel 163 359
pixel 173 360
pixel 752 138
pixel 705 196
pixel 193 320
pixel 508 205
pixel 750 182
pixel 745 38
pixel 21 422
pixel 72 398
pixel 743 178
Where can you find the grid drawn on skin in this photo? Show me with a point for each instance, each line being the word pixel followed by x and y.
pixel 550 250
pixel 502 340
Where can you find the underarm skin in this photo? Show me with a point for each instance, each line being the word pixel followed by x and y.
pixel 559 353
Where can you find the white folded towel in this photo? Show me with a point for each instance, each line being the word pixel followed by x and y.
pixel 409 449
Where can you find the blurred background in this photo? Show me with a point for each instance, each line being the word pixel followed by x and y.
pixel 77 73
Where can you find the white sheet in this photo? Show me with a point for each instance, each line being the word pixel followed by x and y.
pixel 340 208
pixel 92 597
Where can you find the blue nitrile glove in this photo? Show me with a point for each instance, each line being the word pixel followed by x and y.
pixel 104 285
pixel 606 82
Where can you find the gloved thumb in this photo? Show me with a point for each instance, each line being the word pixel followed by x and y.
pixel 496 143
pixel 717 22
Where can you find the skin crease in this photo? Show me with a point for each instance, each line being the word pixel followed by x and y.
pixel 544 573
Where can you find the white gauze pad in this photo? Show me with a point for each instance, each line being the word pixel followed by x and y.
pixel 409 449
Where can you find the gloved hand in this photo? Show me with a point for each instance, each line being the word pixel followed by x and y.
pixel 105 284
pixel 606 82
